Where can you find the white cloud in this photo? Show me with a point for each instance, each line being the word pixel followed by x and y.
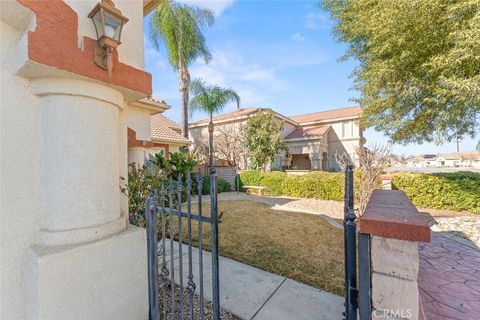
pixel 298 37
pixel 251 81
pixel 317 20
pixel 217 6
pixel 257 74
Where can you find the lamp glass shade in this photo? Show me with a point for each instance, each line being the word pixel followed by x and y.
pixel 107 22
pixel 113 26
pixel 97 19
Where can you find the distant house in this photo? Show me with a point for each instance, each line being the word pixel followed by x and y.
pixel 149 131
pixel 454 159
pixel 312 139
pixel 422 161
pixel 459 159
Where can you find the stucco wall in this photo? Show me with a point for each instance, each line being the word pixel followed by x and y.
pixel 62 150
pixel 131 50
pixel 138 119
pixel 21 206
pixel 343 138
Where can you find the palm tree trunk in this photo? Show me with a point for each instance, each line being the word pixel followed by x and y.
pixel 210 145
pixel 184 87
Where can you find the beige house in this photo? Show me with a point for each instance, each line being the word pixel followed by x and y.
pixel 149 131
pixel 312 139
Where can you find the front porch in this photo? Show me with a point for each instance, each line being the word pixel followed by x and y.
pixel 307 157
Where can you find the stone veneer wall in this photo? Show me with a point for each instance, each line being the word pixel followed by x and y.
pixel 228 174
pixel 395 227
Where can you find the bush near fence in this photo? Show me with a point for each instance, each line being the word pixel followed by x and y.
pixel 223 185
pixel 457 191
pixel 316 185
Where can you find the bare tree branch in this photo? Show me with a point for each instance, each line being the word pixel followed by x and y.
pixel 372 162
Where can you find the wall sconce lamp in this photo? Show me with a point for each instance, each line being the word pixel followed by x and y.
pixel 108 22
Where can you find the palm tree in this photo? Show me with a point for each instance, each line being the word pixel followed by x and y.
pixel 210 99
pixel 180 28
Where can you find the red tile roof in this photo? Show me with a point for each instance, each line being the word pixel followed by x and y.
pixel 328 115
pixel 164 129
pixel 230 115
pixel 308 133
pixel 160 120
pixel 465 155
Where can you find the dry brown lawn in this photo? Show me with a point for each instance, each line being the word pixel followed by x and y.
pixel 303 247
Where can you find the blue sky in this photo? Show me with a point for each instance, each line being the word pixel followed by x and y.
pixel 277 54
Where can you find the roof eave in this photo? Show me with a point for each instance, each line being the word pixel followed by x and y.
pixel 169 141
pixel 328 120
pixel 242 117
pixel 153 107
pixel 303 138
pixel 149 5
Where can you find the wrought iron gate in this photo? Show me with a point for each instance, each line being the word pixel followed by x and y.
pixel 173 206
pixel 357 299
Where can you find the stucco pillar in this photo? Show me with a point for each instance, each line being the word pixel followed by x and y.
pixel 85 263
pixel 81 173
pixel 395 227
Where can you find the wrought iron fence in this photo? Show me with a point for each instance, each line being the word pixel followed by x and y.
pixel 350 247
pixel 357 297
pixel 172 207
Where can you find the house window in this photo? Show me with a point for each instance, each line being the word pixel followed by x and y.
pixel 343 129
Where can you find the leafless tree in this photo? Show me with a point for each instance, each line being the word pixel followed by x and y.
pixel 201 148
pixel 372 162
pixel 228 145
pixel 343 159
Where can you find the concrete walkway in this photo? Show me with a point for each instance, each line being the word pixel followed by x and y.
pixel 250 293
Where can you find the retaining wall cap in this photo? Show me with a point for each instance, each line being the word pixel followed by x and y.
pixel 391 214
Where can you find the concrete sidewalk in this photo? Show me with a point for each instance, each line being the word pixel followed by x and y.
pixel 250 293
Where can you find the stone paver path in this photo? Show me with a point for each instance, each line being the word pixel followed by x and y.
pixel 253 294
pixel 449 279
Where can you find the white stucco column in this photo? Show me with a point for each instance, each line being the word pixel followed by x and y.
pixel 81 173
pixel 86 263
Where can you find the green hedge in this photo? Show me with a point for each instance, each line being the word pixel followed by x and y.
pixel 452 191
pixel 223 185
pixel 458 191
pixel 316 185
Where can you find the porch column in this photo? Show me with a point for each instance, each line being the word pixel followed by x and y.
pixel 85 262
pixel 80 136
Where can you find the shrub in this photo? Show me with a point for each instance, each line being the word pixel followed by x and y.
pixel 223 186
pixel 316 185
pixel 452 191
pixel 274 181
pixel 250 178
